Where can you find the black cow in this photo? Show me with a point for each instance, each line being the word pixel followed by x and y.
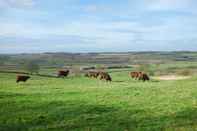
pixel 22 78
pixel 63 73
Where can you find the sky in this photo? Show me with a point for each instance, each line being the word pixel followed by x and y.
pixel 35 26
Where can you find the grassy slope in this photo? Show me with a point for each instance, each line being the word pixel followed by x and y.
pixel 85 104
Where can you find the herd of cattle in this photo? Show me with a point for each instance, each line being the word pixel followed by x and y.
pixel 91 74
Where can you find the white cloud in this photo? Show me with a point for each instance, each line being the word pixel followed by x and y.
pixel 114 34
pixel 109 36
pixel 107 31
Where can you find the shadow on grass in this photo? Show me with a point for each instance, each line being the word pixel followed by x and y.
pixel 119 81
pixel 79 115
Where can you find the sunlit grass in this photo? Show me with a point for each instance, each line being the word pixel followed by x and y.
pixel 79 103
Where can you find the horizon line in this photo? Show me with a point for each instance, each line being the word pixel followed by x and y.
pixel 98 52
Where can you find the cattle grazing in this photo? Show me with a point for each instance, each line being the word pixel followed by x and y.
pixel 92 74
pixel 139 76
pixel 96 74
pixel 63 73
pixel 22 78
pixel 105 76
pixel 144 77
pixel 135 75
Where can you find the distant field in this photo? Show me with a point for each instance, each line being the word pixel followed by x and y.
pixel 156 63
pixel 78 103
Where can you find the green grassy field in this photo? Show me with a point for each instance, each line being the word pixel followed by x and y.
pixel 78 103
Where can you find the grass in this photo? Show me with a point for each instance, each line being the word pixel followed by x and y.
pixel 83 104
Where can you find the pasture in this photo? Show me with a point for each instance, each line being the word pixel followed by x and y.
pixel 84 104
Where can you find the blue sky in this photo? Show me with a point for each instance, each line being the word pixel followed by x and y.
pixel 33 26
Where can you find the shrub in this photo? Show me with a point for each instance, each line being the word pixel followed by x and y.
pixel 185 72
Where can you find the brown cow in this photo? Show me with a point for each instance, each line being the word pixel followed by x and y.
pixel 132 74
pixel 135 74
pixel 105 76
pixel 63 73
pixel 23 78
pixel 139 76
